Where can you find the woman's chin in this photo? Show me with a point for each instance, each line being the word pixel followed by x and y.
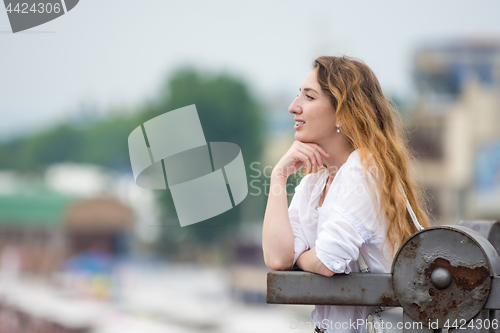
pixel 298 136
pixel 302 138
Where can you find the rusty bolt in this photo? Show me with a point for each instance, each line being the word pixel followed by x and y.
pixel 441 278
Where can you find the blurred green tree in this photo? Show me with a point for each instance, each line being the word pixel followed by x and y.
pixel 61 144
pixel 106 144
pixel 228 112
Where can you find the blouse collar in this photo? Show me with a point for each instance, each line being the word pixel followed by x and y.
pixel 322 177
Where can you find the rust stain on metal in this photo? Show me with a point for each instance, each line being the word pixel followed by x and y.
pixel 464 278
pixel 410 249
pixel 388 301
pixel 470 284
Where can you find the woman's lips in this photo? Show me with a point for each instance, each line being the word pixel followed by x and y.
pixel 298 124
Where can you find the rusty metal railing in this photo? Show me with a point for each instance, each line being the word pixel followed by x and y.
pixel 445 277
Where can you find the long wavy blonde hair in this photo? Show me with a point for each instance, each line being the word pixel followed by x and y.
pixel 372 124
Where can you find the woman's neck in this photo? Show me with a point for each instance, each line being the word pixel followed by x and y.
pixel 338 156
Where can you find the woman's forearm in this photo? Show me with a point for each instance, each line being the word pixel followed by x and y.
pixel 308 261
pixel 277 235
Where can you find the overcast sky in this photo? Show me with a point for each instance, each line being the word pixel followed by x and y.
pixel 116 53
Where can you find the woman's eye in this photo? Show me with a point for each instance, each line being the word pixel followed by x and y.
pixel 309 97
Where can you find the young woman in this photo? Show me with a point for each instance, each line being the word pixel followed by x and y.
pixel 353 198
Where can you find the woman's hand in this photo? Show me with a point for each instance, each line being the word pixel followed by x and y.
pixel 300 155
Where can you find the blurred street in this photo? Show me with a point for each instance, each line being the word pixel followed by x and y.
pixel 146 298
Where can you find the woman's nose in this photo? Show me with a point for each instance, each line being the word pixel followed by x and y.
pixel 295 107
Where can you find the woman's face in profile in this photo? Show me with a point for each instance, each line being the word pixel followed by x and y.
pixel 314 115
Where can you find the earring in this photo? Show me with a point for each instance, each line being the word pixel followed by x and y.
pixel 338 129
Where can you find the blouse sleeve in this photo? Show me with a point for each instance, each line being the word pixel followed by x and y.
pixel 351 221
pixel 338 243
pixel 300 241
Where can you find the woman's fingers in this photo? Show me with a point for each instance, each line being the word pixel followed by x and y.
pixel 291 163
pixel 303 158
pixel 317 155
pixel 316 150
pixel 316 147
pixel 314 159
pixel 319 149
pixel 302 155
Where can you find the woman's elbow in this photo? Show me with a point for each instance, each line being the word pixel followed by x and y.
pixel 278 265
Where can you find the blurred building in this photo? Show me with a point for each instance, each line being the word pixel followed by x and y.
pixel 103 223
pixel 40 230
pixel 455 128
pixel 31 231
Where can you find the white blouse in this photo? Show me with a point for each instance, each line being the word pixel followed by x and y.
pixel 347 221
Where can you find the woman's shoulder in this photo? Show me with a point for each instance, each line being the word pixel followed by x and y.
pixel 355 183
pixel 358 158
